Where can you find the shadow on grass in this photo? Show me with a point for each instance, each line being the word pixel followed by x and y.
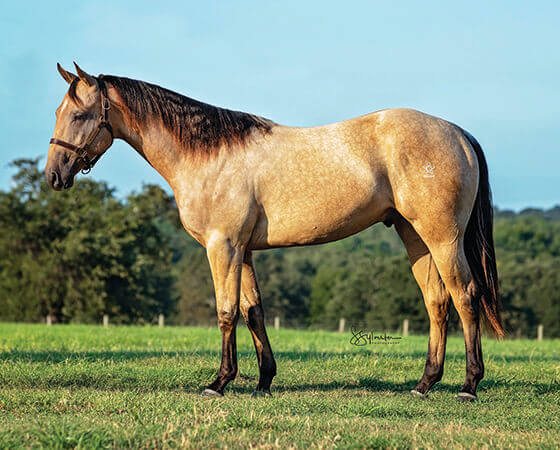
pixel 58 356
pixel 376 385
pixel 131 381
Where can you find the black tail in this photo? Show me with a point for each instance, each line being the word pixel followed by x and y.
pixel 479 246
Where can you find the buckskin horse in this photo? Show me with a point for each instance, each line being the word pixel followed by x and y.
pixel 244 183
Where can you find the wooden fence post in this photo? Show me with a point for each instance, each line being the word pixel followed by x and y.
pixel 105 320
pixel 161 321
pixel 405 327
pixel 540 332
pixel 341 325
pixel 48 320
pixel 277 323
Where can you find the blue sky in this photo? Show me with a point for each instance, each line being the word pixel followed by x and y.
pixel 491 67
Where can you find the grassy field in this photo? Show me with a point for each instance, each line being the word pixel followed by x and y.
pixel 86 386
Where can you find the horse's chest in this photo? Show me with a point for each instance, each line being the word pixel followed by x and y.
pixel 194 217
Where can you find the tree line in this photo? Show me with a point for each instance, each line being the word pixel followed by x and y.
pixel 79 254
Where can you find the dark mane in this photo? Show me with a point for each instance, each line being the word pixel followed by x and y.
pixel 199 127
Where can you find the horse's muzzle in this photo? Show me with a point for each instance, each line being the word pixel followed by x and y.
pixel 56 181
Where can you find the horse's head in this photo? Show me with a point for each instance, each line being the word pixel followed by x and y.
pixel 82 132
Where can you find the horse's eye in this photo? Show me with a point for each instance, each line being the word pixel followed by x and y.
pixel 79 117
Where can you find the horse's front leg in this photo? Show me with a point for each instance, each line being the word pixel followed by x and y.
pixel 252 311
pixel 225 263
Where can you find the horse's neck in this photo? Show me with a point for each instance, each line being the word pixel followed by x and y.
pixel 154 143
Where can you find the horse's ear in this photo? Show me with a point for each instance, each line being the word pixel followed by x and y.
pixel 68 76
pixel 85 77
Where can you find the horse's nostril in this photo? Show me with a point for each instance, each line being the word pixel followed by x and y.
pixel 56 182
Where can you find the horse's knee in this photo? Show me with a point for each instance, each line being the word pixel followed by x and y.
pixel 227 318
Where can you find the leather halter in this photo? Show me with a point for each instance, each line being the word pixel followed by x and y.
pixel 82 151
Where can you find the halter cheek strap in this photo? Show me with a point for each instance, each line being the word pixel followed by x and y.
pixel 82 151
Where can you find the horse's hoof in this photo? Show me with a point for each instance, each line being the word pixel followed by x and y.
pixel 418 394
pixel 466 397
pixel 211 393
pixel 259 393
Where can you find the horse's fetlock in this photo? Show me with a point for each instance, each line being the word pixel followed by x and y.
pixel 229 374
pixel 433 372
pixel 475 372
pixel 269 368
pixel 478 373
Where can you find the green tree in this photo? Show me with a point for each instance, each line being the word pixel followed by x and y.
pixel 81 253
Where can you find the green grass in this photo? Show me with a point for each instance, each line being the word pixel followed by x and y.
pixel 86 386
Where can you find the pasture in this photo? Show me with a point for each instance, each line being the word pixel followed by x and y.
pixel 87 386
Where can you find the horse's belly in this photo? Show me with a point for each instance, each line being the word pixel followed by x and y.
pixel 323 215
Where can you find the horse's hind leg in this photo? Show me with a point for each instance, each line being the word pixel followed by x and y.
pixel 456 274
pixel 251 308
pixel 436 299
pixel 447 250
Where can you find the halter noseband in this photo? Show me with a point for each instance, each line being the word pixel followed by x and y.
pixel 82 152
